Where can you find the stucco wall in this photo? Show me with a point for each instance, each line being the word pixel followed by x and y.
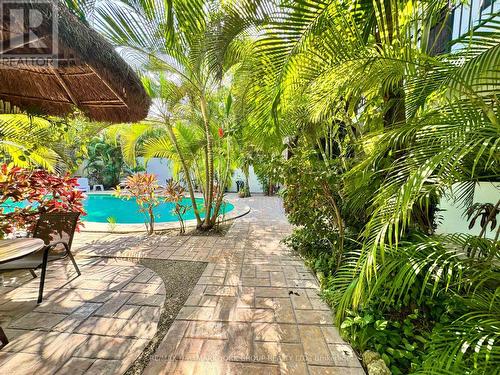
pixel 163 171
pixel 159 167
pixel 454 220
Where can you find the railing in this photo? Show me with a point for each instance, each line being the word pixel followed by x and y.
pixel 466 16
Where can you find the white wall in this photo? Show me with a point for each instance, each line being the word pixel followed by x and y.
pixel 469 15
pixel 255 185
pixel 163 171
pixel 454 220
pixel 159 167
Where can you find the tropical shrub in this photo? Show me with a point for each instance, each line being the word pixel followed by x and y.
pixel 175 193
pixel 268 171
pixel 105 163
pixel 384 126
pixel 35 141
pixel 142 187
pixel 38 191
pixel 416 124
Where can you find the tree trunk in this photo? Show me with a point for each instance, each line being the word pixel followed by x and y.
pixel 247 185
pixel 151 228
pixel 339 223
pixel 207 224
pixel 185 168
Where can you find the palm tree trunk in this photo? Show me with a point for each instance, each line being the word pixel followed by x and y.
pixel 151 228
pixel 247 185
pixel 207 224
pixel 185 168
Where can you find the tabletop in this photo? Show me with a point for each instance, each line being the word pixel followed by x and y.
pixel 18 248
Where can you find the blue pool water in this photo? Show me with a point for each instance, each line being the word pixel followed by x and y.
pixel 100 207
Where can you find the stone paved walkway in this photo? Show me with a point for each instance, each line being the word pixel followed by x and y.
pixel 97 323
pixel 255 310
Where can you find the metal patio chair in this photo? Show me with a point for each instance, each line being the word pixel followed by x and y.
pixel 56 229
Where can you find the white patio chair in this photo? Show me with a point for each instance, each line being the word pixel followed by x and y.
pixel 83 184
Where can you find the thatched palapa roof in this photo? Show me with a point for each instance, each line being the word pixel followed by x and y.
pixel 86 72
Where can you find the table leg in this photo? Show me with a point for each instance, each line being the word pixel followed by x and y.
pixel 3 338
pixel 44 271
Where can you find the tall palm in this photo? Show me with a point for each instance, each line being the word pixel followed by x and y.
pixel 421 123
pixel 172 37
pixel 163 133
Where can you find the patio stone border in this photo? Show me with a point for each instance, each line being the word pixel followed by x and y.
pixel 238 211
pixel 99 322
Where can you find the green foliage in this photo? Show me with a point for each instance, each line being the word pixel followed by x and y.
pixel 32 141
pixel 142 187
pixel 379 128
pixel 105 163
pixel 399 341
pixel 268 171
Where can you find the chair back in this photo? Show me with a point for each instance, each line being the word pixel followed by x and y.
pixel 83 182
pixel 56 226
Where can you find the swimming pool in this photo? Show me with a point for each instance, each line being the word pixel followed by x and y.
pixel 101 208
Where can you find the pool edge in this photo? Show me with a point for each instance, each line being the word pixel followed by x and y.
pixel 239 210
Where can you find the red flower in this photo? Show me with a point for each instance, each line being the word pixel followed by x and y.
pixel 221 132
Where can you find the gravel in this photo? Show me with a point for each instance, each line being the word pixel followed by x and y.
pixel 180 278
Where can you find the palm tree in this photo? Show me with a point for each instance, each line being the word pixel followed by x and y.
pixel 163 134
pixel 23 141
pixel 418 123
pixel 172 38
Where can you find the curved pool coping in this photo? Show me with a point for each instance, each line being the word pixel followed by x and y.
pixel 239 210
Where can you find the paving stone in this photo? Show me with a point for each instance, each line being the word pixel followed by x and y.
pixel 127 311
pixel 102 326
pixel 276 332
pixel 171 341
pixel 110 307
pixel 109 348
pixel 143 299
pixel 315 348
pixel 38 320
pixel 250 369
pixel 313 317
pixel 319 304
pixel 22 363
pixel 229 291
pixel 65 306
pixel 274 352
pixel 71 322
pixel 188 349
pixel 75 366
pixel 272 292
pixel 196 313
pixel 332 335
pixel 343 355
pixel 253 315
pixel 283 310
pixel 105 366
pixel 334 370
pixel 255 282
pixel 301 301
pixel 293 368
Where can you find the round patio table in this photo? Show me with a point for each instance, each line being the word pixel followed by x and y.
pixel 12 250
pixel 18 248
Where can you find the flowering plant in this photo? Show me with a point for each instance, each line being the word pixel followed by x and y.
pixel 175 193
pixel 142 187
pixel 39 191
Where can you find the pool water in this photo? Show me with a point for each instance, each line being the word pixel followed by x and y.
pixel 101 207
